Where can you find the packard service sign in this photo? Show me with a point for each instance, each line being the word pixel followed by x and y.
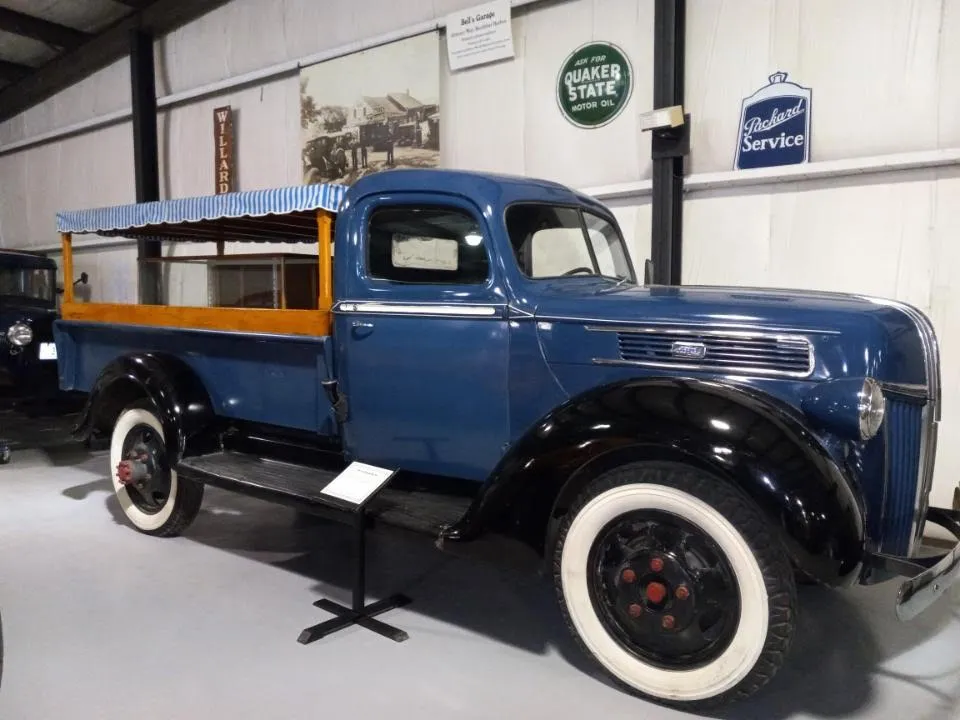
pixel 594 84
pixel 774 125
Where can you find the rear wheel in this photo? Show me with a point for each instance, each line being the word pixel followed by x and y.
pixel 151 495
pixel 671 581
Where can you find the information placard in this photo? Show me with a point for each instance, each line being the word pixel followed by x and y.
pixel 480 34
pixel 357 483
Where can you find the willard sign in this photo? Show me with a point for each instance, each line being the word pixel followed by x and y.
pixel 774 125
pixel 223 149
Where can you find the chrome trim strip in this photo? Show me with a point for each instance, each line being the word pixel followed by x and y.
pixel 746 327
pixel 731 370
pixel 911 390
pixel 417 309
pixel 518 312
pixel 735 370
pixel 673 330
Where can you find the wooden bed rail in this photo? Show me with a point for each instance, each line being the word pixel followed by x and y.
pixel 246 320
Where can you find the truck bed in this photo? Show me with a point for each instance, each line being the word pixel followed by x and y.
pixel 254 377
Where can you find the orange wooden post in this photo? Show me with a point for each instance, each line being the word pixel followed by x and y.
pixel 66 242
pixel 324 260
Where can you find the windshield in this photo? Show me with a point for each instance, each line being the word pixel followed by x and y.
pixel 34 284
pixel 552 241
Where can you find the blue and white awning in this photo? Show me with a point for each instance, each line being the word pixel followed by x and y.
pixel 278 214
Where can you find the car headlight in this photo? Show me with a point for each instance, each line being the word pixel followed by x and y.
pixel 850 407
pixel 20 334
pixel 871 406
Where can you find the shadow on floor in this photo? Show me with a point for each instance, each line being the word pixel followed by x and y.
pixel 829 672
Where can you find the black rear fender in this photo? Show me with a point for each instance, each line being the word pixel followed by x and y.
pixel 183 404
pixel 736 433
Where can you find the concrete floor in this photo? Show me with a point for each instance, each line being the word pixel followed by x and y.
pixel 102 622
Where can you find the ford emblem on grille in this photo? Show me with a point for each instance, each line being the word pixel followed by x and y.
pixel 688 350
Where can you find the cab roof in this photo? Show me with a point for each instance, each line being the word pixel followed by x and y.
pixel 495 189
pixel 23 259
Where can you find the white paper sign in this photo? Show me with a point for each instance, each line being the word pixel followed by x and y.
pixel 357 483
pixel 47 351
pixel 479 35
pixel 424 253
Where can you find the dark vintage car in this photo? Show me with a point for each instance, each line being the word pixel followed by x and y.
pixel 31 402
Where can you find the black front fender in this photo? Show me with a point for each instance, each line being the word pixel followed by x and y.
pixel 183 404
pixel 740 434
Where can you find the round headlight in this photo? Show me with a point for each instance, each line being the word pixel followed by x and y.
pixel 870 404
pixel 20 334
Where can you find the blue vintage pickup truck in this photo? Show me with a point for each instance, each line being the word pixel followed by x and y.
pixel 680 456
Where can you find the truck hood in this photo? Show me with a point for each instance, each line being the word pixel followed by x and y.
pixel 586 320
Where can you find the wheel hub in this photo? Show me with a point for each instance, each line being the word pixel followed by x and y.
pixel 133 471
pixel 663 589
pixel 660 585
pixel 143 469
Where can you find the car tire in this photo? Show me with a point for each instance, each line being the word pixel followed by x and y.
pixel 638 534
pixel 168 505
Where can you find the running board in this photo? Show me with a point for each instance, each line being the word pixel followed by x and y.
pixel 299 486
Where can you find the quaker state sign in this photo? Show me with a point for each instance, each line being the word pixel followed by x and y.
pixel 594 84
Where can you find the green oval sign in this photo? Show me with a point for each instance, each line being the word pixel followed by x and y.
pixel 594 84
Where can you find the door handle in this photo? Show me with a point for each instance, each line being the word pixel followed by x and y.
pixel 361 324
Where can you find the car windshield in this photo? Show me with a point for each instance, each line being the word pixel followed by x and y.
pixel 36 284
pixel 551 241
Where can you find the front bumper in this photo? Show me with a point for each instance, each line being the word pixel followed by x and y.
pixel 928 577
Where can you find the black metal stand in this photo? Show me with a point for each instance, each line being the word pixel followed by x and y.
pixel 359 613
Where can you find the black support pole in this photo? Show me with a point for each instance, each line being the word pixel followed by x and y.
pixel 668 147
pixel 145 154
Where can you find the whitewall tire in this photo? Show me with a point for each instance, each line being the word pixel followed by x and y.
pixel 671 580
pixel 161 504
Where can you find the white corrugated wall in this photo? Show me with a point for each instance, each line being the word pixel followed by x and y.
pixel 883 74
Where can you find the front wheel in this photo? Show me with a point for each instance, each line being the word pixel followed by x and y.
pixel 151 495
pixel 671 580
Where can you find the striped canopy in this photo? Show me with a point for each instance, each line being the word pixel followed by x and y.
pixel 275 215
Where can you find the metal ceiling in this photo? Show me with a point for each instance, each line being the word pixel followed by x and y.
pixel 48 45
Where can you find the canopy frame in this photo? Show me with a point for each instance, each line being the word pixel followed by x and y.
pixel 297 214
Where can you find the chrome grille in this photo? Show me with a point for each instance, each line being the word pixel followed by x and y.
pixel 902 436
pixel 721 351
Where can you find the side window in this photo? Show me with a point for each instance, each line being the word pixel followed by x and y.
pixel 426 245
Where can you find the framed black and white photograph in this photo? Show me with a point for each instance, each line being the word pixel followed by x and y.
pixel 372 110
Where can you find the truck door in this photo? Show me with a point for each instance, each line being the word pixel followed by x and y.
pixel 421 334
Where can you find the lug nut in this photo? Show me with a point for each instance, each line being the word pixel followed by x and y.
pixel 629 576
pixel 656 564
pixel 668 622
pixel 682 592
pixel 635 610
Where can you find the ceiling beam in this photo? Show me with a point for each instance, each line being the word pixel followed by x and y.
pixel 11 72
pixel 45 31
pixel 112 44
pixel 135 4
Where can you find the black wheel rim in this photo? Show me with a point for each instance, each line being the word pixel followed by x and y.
pixel 663 589
pixel 144 444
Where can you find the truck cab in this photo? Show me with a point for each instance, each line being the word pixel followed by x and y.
pixel 679 456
